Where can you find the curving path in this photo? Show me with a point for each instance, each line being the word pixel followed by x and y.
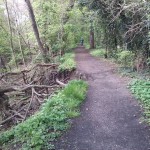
pixel 110 117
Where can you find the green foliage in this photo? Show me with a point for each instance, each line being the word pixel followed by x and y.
pixel 56 47
pixel 148 61
pixel 141 89
pixel 98 53
pixel 111 32
pixel 67 62
pixel 4 36
pixel 60 27
pixel 38 58
pixel 41 129
pixel 126 58
pixel 87 45
pixel 128 72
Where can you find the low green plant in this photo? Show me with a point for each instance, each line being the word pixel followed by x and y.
pixel 98 53
pixel 67 62
pixel 141 89
pixel 125 58
pixel 39 131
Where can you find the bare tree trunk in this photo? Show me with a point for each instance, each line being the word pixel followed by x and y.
pixel 92 40
pixel 18 29
pixel 61 27
pixel 10 29
pixel 4 104
pixel 92 44
pixel 2 65
pixel 27 41
pixel 20 46
pixel 36 31
pixel 106 44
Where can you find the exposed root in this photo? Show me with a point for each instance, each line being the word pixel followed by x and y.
pixel 27 89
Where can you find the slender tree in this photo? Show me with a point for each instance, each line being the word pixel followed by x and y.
pixel 36 31
pixel 11 33
pixel 92 42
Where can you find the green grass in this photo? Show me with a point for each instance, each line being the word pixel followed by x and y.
pixel 141 89
pixel 67 62
pixel 98 53
pixel 39 131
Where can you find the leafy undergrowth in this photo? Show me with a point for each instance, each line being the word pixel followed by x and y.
pixel 98 53
pixel 144 74
pixel 141 89
pixel 67 62
pixel 39 131
pixel 126 71
pixel 125 58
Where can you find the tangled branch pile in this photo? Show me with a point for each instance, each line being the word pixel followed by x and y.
pixel 27 89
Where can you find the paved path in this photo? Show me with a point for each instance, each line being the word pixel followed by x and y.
pixel 110 116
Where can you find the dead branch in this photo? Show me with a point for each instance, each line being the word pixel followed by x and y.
pixel 17 114
pixel 60 83
pixel 123 8
pixel 9 118
pixel 22 88
pixel 32 97
pixel 6 120
pixel 36 93
pixel 28 70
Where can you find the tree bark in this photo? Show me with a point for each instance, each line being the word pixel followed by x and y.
pixel 92 44
pixel 36 31
pixel 20 46
pixel 2 65
pixel 4 104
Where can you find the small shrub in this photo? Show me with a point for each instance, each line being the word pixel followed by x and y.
pixel 67 62
pixel 98 53
pixel 126 58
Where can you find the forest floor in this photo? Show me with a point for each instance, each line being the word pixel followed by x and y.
pixel 110 117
